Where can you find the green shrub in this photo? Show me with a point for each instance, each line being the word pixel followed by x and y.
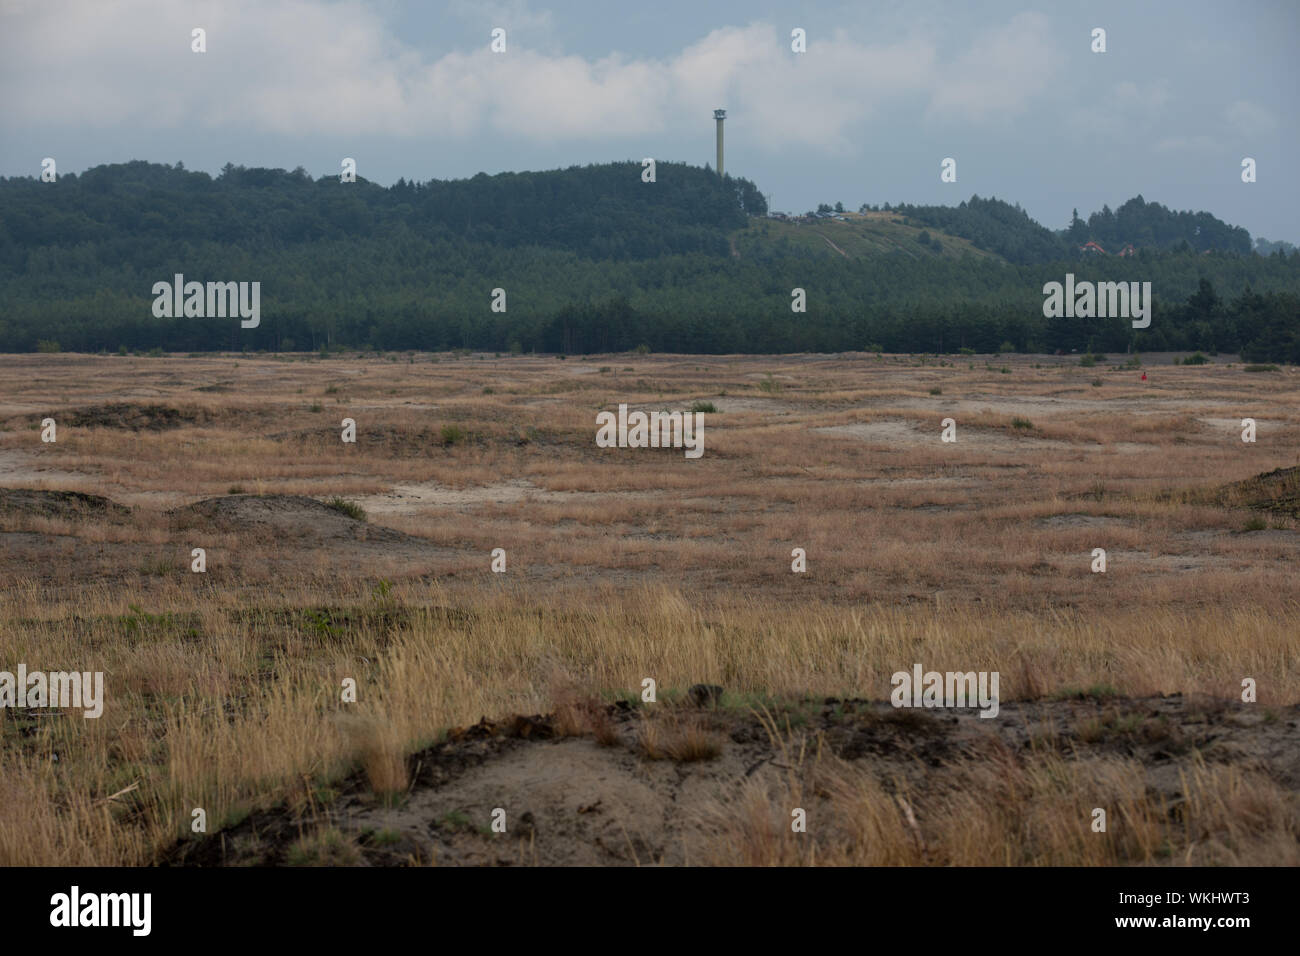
pixel 349 508
pixel 46 345
pixel 1088 361
pixel 1196 359
pixel 1006 347
pixel 1021 423
pixel 703 407
pixel 936 391
pixel 1255 524
pixel 453 434
pixel 1262 368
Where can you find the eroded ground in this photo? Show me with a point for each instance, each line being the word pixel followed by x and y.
pixel 371 562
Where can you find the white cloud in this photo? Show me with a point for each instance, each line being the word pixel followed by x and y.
pixel 306 68
pixel 1004 69
pixel 1249 119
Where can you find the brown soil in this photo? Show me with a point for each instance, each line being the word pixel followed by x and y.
pixel 570 800
pixel 72 505
pixel 292 515
pixel 1277 491
pixel 149 417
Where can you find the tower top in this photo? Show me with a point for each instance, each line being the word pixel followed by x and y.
pixel 719 114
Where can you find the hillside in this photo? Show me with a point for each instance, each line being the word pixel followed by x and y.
pixel 856 236
pixel 583 259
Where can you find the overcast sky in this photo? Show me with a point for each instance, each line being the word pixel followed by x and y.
pixel 885 91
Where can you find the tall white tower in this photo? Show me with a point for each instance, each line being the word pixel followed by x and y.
pixel 719 115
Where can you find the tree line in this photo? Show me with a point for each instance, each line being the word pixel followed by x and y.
pixel 588 259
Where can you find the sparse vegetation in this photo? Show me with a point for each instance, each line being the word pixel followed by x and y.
pixel 349 508
pixel 226 687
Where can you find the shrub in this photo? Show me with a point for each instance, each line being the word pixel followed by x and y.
pixel 1196 359
pixel 1006 347
pixel 1096 383
pixel 703 407
pixel 1088 361
pixel 1255 524
pixel 453 434
pixel 349 508
pixel 936 391
pixel 1021 423
pixel 1262 368
pixel 45 345
pixel 769 385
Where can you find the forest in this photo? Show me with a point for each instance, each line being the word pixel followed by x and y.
pixel 594 259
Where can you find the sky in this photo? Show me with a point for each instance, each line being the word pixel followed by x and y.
pixel 883 93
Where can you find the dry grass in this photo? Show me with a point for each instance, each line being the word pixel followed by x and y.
pixel 998 810
pixel 224 690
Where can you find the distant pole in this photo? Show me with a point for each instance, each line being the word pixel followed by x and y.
pixel 719 115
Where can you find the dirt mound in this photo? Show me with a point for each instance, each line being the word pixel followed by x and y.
pixel 641 785
pixel 150 417
pixel 292 515
pixel 59 504
pixel 1277 491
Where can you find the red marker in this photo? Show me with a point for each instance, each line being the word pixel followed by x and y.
pixel 1144 376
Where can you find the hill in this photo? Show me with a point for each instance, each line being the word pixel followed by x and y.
pixel 854 235
pixel 590 259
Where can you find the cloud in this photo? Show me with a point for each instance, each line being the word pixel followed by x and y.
pixel 302 68
pixel 1005 68
pixel 1249 119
